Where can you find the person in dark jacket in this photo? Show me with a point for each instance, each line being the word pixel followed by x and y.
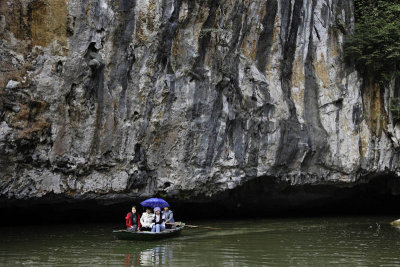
pixel 132 220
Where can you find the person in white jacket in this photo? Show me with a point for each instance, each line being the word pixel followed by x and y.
pixel 146 220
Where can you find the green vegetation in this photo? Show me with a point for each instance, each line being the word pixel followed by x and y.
pixel 375 45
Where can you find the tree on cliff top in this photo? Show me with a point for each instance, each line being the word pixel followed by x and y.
pixel 375 45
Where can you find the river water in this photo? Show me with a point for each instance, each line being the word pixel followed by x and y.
pixel 361 241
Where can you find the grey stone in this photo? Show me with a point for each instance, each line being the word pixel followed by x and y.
pixel 12 84
pixel 188 98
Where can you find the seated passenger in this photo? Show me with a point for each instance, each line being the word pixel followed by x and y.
pixel 146 220
pixel 169 218
pixel 158 224
pixel 132 220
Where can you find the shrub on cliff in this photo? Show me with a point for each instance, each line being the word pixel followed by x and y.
pixel 375 45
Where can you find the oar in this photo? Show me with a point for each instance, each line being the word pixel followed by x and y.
pixel 396 223
pixel 195 226
pixel 199 226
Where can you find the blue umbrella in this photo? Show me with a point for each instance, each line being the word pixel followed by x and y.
pixel 155 202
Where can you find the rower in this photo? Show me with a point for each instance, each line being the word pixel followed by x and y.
pixel 169 218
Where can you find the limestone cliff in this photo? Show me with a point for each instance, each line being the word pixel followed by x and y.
pixel 185 98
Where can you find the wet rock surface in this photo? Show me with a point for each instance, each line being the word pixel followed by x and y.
pixel 126 99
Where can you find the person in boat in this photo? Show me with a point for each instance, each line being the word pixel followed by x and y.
pixel 132 220
pixel 146 220
pixel 169 218
pixel 158 224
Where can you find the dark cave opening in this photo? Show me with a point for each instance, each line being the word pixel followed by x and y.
pixel 259 198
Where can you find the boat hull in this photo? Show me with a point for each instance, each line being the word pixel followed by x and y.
pixel 147 236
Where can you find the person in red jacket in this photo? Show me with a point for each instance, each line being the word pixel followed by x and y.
pixel 132 220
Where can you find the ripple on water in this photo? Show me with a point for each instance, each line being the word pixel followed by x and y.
pixel 286 242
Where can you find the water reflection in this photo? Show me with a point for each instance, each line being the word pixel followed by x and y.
pixel 157 256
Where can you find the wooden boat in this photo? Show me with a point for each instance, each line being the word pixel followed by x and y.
pixel 149 236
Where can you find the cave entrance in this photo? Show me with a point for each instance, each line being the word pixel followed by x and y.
pixel 258 198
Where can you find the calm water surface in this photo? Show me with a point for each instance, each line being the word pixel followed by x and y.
pixel 367 241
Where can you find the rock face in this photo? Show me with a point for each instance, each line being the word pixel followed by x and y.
pixel 185 98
